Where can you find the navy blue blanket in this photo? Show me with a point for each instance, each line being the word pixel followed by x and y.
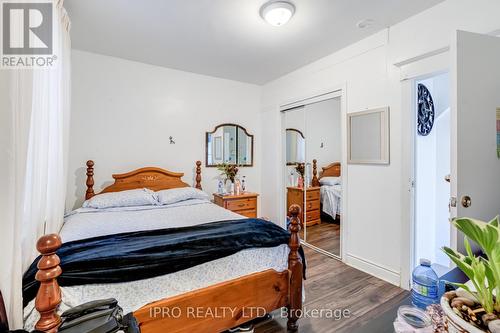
pixel 145 254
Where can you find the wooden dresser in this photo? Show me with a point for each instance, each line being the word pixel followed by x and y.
pixel 244 204
pixel 295 195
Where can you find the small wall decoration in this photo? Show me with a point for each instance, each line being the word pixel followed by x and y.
pixel 498 132
pixel 425 119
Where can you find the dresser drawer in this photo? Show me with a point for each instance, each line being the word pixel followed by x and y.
pixel 312 195
pixel 312 205
pixel 251 213
pixel 312 215
pixel 241 204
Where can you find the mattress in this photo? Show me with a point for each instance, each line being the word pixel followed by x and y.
pixel 331 199
pixel 87 222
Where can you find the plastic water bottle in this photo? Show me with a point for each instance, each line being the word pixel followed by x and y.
pixel 425 285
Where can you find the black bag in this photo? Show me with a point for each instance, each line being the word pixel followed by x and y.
pixel 102 316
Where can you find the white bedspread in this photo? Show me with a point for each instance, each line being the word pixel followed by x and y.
pixel 89 222
pixel 331 196
pixel 85 223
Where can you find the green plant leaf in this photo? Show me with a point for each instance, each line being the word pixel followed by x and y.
pixel 463 286
pixel 495 222
pixel 490 277
pixel 467 247
pixel 457 258
pixel 482 233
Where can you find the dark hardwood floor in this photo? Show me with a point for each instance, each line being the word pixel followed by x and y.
pixel 325 236
pixel 331 285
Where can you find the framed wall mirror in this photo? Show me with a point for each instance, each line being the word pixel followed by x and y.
pixel 295 147
pixel 229 144
pixel 368 137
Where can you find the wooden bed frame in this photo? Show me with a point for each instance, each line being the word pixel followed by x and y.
pixel 244 299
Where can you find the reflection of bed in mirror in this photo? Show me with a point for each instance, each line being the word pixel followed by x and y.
pixel 330 190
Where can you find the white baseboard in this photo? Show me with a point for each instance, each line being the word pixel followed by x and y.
pixel 374 269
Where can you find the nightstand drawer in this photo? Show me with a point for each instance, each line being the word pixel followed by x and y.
pixel 241 204
pixel 312 195
pixel 312 215
pixel 251 213
pixel 312 205
pixel 244 204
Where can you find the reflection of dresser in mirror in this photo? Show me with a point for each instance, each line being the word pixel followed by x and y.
pixel 295 195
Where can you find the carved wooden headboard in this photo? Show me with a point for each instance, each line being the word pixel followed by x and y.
pixel 150 177
pixel 331 170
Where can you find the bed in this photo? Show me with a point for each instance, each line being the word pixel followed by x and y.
pixel 249 282
pixel 330 189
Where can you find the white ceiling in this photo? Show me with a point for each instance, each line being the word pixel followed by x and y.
pixel 227 38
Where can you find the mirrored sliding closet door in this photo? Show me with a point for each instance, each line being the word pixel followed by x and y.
pixel 295 161
pixel 313 171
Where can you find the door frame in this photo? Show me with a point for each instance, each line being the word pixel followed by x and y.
pixel 339 89
pixel 408 86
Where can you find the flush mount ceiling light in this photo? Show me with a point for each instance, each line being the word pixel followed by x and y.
pixel 277 13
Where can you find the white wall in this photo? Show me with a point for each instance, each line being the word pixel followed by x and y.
pixel 323 127
pixel 375 194
pixel 124 112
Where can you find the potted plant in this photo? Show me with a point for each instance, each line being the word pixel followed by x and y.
pixel 228 172
pixel 300 169
pixel 475 307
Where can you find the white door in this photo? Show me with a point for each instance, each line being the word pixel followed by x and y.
pixel 475 167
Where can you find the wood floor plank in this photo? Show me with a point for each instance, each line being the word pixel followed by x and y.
pixel 325 236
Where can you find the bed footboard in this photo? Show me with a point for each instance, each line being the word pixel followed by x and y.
pixel 218 307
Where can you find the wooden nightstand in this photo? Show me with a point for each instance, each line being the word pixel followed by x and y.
pixel 244 204
pixel 295 195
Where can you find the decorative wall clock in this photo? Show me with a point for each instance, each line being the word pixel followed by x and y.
pixel 425 119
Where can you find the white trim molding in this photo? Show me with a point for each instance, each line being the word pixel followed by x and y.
pixel 379 271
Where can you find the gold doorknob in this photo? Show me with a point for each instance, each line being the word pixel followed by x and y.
pixel 466 201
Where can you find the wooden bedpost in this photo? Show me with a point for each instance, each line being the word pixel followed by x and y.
pixel 48 297
pixel 295 268
pixel 315 181
pixel 90 180
pixel 198 175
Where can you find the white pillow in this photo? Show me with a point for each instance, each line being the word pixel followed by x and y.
pixel 168 197
pixel 129 198
pixel 330 181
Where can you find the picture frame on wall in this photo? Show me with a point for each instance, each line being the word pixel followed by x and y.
pixel 368 137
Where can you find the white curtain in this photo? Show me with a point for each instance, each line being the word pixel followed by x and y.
pixel 41 108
